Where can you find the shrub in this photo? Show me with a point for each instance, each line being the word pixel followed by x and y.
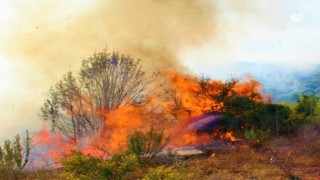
pixel 141 146
pixel 244 114
pixel 163 173
pixel 80 166
pixel 118 166
pixel 306 113
pixel 307 105
pixel 256 138
pixel 14 155
pixel 147 145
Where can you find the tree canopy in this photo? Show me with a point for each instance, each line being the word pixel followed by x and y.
pixel 106 81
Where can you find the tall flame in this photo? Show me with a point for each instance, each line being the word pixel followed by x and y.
pixel 185 106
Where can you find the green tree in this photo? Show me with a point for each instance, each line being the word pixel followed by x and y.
pixel 14 155
pixel 307 104
pixel 106 81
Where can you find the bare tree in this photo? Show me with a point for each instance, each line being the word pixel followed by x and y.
pixel 106 81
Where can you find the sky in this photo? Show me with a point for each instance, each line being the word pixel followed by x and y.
pixel 42 40
pixel 285 33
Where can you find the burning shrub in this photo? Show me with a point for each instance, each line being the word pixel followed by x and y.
pixel 147 145
pixel 13 156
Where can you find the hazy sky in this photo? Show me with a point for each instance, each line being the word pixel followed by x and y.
pixel 41 40
pixel 282 32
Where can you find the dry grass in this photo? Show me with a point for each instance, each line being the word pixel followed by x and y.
pixel 248 163
pixel 236 164
pixel 299 155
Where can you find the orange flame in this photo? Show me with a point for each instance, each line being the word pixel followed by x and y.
pixel 229 135
pixel 50 147
pixel 173 111
pixel 193 138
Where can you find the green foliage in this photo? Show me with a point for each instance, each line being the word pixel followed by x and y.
pixel 147 145
pixel 243 113
pixel 119 165
pixel 110 78
pixel 307 105
pixel 79 166
pixel 141 147
pixel 14 156
pixel 163 173
pixel 296 121
pixel 306 113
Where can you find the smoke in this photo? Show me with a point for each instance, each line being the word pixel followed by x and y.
pixel 44 39
pixel 53 36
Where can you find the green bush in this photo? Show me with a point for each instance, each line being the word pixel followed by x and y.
pixel 256 138
pixel 242 114
pixel 305 113
pixel 119 166
pixel 164 173
pixel 147 145
pixel 307 105
pixel 141 147
pixel 14 155
pixel 79 166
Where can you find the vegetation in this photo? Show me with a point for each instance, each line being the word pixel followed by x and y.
pixel 246 113
pixel 280 157
pixel 79 166
pixel 276 137
pixel 141 146
pixel 14 155
pixel 307 105
pixel 147 145
pixel 106 81
pixel 287 87
pixel 162 172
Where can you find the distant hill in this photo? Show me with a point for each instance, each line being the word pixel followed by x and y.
pixel 285 84
pixel 282 82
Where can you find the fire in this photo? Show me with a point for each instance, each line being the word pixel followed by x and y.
pixel 229 135
pixel 189 139
pixel 186 87
pixel 193 138
pixel 120 124
pixel 181 111
pixel 50 147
